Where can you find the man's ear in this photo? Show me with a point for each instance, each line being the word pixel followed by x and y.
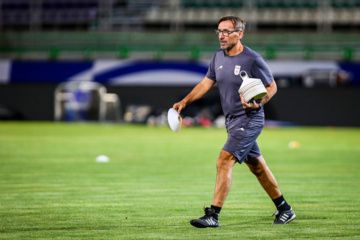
pixel 241 33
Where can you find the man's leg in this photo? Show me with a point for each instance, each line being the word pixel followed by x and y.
pixel 267 180
pixel 259 168
pixel 225 164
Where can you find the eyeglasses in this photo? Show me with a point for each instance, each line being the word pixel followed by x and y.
pixel 226 33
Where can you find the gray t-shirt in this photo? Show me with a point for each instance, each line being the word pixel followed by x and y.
pixel 225 71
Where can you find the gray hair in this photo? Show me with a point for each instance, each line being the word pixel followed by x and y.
pixel 239 24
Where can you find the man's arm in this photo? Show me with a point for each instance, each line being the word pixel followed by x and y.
pixel 252 105
pixel 199 90
pixel 271 89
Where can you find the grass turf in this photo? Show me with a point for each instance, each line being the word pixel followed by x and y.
pixel 157 180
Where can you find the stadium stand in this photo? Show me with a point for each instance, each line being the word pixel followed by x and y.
pixel 117 14
pixel 130 28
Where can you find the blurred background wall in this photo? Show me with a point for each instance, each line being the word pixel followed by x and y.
pixel 151 53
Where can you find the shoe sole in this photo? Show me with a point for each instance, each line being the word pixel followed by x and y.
pixel 200 225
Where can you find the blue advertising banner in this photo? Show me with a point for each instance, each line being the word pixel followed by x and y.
pixel 149 73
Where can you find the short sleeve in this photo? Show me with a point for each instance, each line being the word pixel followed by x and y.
pixel 261 70
pixel 211 70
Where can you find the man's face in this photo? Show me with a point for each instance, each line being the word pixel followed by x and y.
pixel 228 42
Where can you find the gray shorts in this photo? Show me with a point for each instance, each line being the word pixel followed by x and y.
pixel 242 134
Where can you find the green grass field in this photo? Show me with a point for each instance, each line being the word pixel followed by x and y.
pixel 157 181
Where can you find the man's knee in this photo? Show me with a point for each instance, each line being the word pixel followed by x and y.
pixel 226 160
pixel 257 165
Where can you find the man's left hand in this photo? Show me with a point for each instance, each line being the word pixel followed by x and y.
pixel 251 105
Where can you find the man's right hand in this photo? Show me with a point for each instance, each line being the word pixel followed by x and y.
pixel 179 106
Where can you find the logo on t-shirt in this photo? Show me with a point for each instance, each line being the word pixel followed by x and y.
pixel 237 69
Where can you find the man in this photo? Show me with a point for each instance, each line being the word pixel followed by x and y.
pixel 244 120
